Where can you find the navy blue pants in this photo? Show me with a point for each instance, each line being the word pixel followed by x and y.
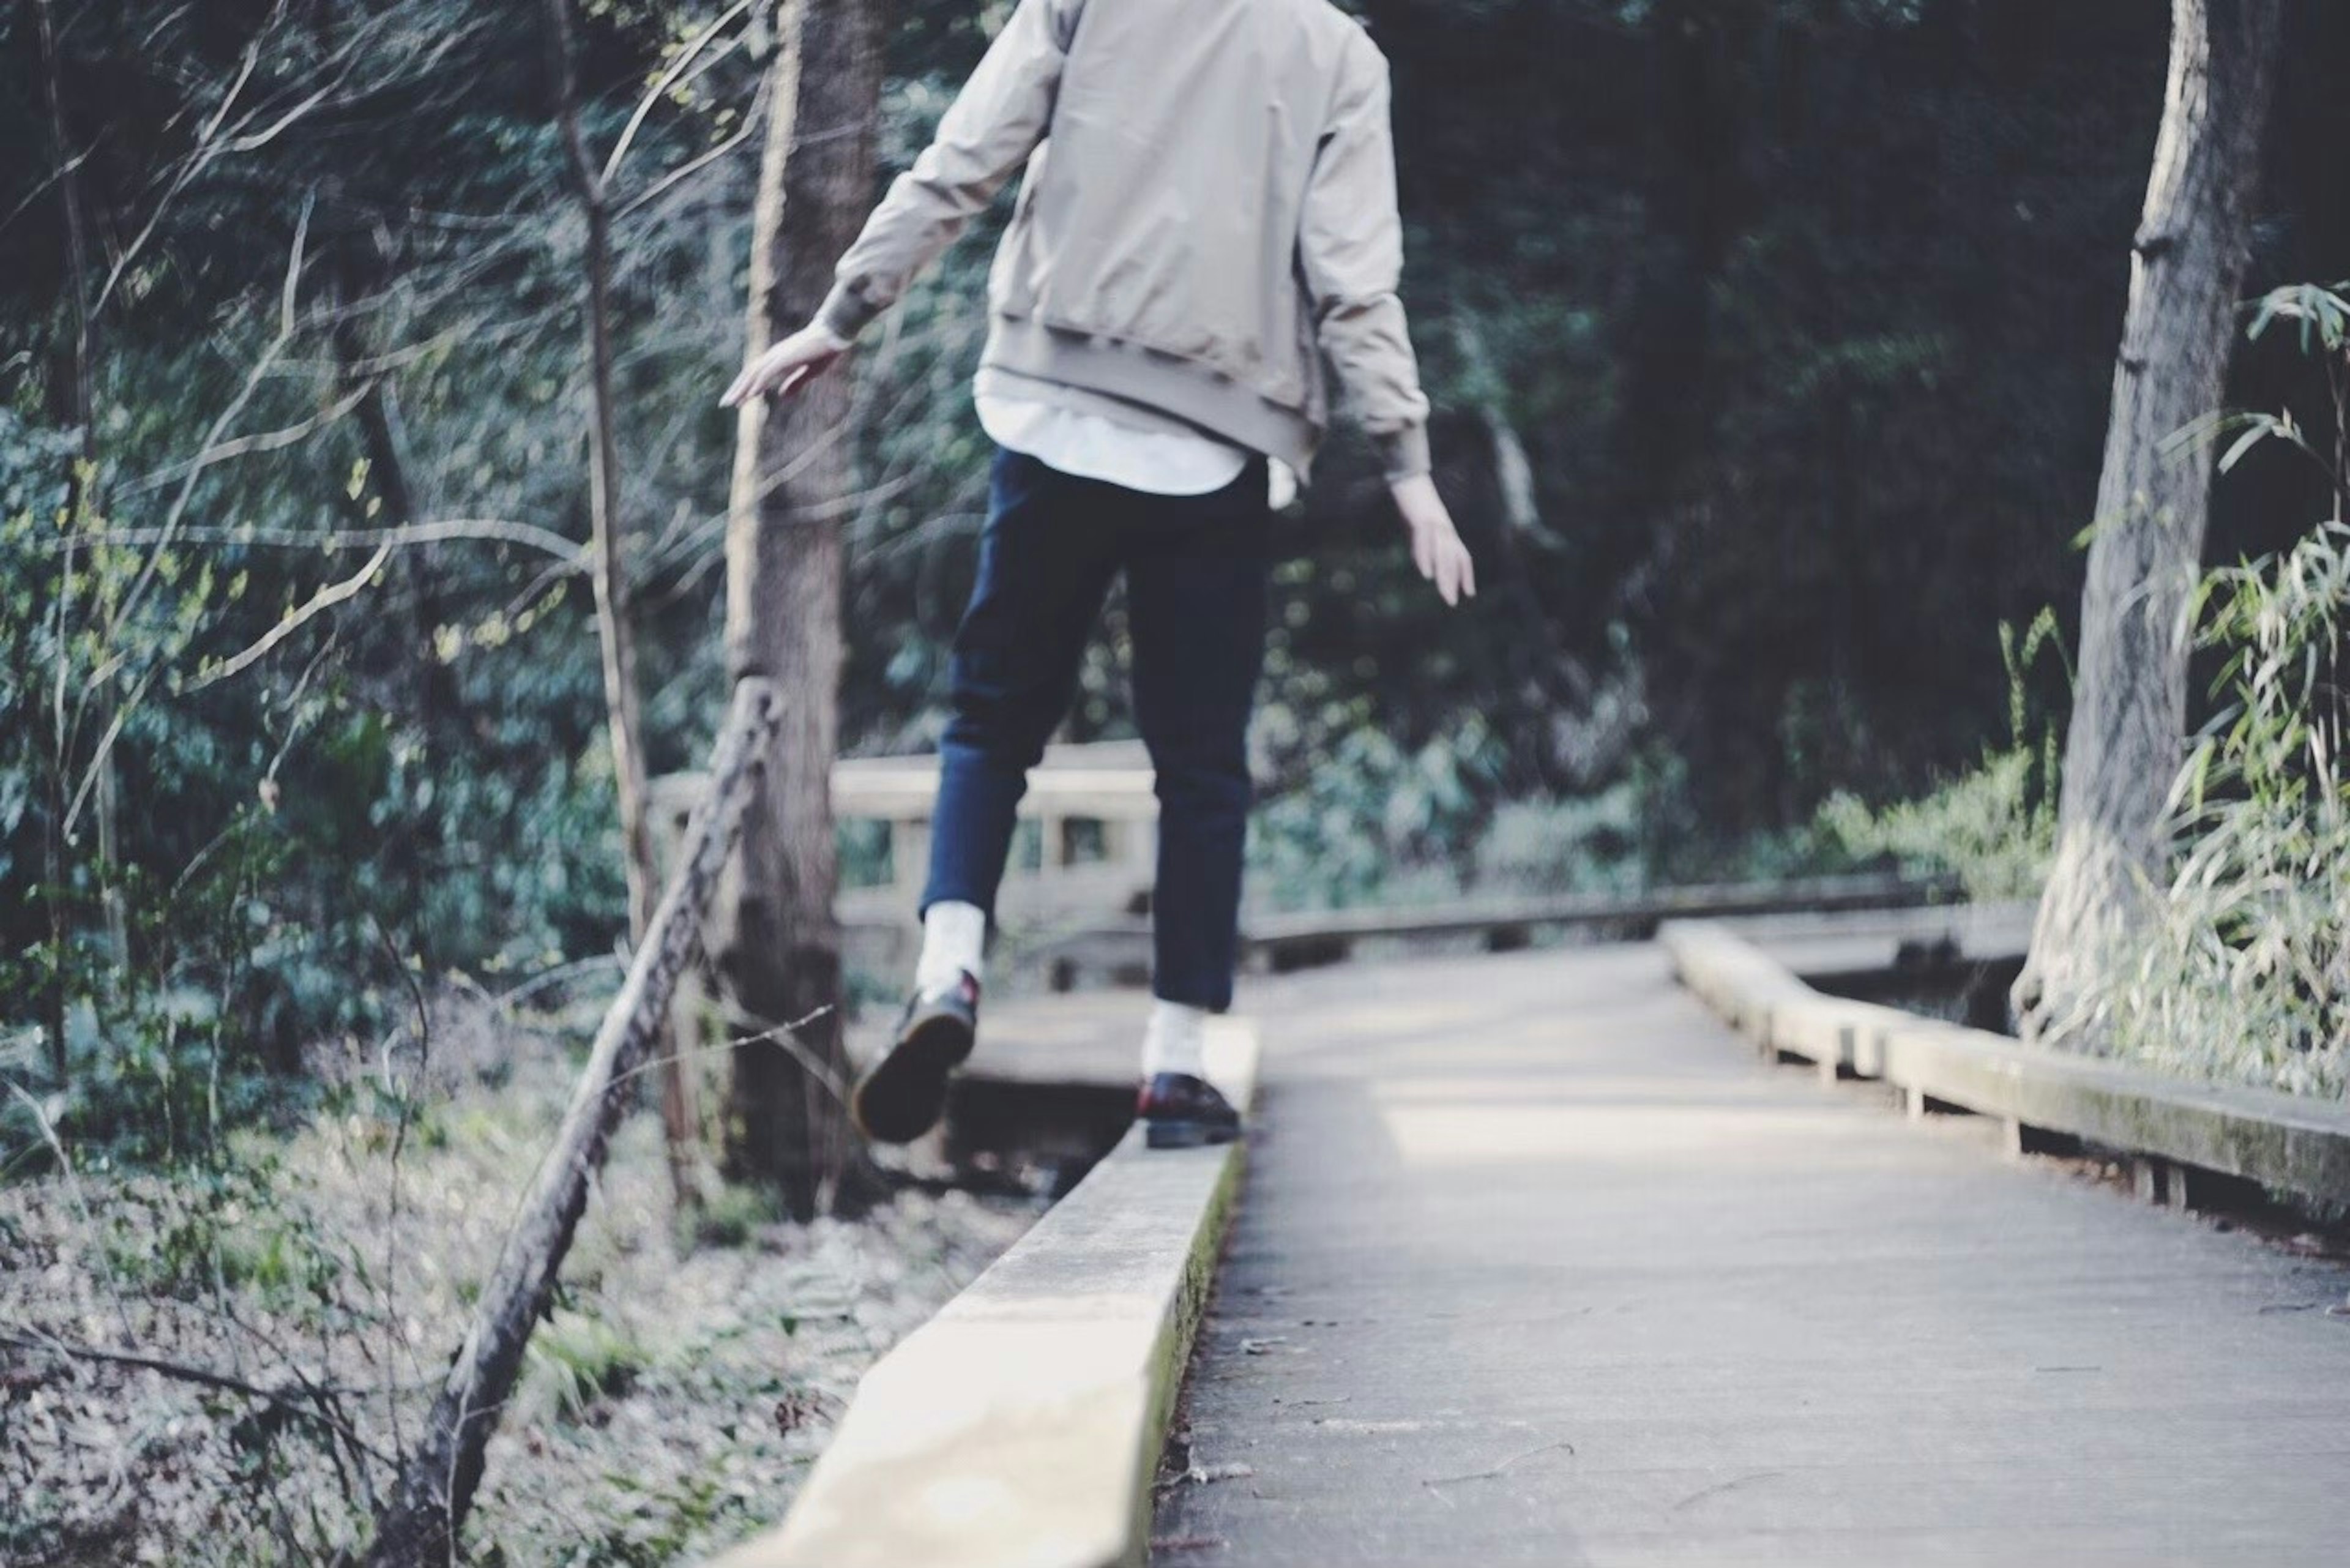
pixel 1195 572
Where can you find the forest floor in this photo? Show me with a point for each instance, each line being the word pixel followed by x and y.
pixel 671 1403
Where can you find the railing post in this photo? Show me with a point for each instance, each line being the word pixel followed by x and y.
pixel 909 856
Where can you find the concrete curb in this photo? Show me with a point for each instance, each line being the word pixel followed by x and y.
pixel 1021 1427
pixel 2177 1129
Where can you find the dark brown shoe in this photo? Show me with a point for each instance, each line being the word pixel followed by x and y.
pixel 903 1094
pixel 1180 1111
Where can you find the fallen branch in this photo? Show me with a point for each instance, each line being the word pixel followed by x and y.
pixel 428 1506
pixel 296 1401
pixel 661 84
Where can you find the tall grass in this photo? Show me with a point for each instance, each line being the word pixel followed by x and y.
pixel 2244 972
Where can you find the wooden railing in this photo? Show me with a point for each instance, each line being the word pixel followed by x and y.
pixel 1093 804
pixel 1077 910
pixel 2177 1133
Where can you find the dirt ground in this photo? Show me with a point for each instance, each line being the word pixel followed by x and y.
pixel 219 1367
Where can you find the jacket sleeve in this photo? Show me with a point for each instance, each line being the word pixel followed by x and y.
pixel 1350 251
pixel 995 122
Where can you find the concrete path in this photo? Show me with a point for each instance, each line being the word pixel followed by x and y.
pixel 1535 1265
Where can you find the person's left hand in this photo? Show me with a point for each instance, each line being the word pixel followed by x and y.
pixel 1436 547
pixel 787 367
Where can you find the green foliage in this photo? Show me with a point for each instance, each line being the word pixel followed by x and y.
pixel 1993 827
pixel 2244 972
pixel 210 878
pixel 575 1359
pixel 223 1225
pixel 1754 316
pixel 1581 844
pixel 2320 316
pixel 640 1526
pixel 95 638
pixel 1353 828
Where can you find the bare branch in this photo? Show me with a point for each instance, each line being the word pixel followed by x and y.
pixel 420 1523
pixel 325 599
pixel 105 747
pixel 290 293
pixel 255 141
pixel 686 171
pixel 205 1377
pixel 237 406
pixel 492 530
pixel 266 440
pixel 667 79
pixel 41 189
pixel 196 163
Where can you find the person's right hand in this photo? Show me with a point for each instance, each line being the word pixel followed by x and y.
pixel 1436 547
pixel 787 367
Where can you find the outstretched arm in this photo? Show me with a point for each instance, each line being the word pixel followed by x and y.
pixel 995 122
pixel 1350 249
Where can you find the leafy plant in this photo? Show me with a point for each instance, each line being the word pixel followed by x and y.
pixel 1993 827
pixel 1360 821
pixel 2245 972
pixel 575 1359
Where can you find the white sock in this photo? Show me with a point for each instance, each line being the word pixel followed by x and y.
pixel 1176 1040
pixel 952 936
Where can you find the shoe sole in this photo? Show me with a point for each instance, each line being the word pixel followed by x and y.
pixel 905 1094
pixel 1187 1134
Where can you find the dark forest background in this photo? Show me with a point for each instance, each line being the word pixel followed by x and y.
pixel 1773 347
pixel 1771 342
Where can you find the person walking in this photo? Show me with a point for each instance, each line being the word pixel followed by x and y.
pixel 1208 214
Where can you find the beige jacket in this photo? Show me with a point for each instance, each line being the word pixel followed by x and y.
pixel 1209 199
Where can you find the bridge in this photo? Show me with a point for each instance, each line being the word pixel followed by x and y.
pixel 1639 1254
pixel 1728 1239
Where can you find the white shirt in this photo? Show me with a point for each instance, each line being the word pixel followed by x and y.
pixel 1094 446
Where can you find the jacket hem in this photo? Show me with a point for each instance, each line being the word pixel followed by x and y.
pixel 1169 383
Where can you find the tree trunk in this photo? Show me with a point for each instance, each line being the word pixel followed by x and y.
pixel 777 943
pixel 76 408
pixel 68 176
pixel 615 633
pixel 2127 736
pixel 421 1521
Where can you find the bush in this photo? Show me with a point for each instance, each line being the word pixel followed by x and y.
pixel 1373 819
pixel 2245 972
pixel 1993 828
pixel 574 1360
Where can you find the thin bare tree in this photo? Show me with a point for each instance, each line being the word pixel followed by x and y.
pixel 615 631
pixel 75 406
pixel 777 942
